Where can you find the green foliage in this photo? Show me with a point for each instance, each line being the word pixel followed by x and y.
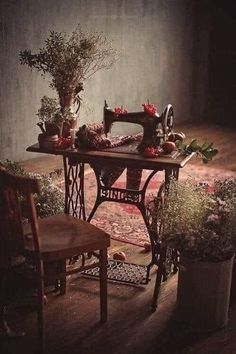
pixel 197 222
pixel 206 150
pixel 13 167
pixel 49 109
pixel 50 201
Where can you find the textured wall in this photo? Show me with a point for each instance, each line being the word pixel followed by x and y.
pixel 157 41
pixel 221 107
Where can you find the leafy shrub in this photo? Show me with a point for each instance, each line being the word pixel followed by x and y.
pixel 50 201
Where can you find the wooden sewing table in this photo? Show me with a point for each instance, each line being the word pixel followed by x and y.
pixel 127 157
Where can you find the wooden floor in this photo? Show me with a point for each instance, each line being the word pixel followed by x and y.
pixel 72 321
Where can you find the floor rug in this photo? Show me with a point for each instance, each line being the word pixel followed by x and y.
pixel 123 221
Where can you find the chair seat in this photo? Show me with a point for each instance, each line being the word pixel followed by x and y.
pixel 63 236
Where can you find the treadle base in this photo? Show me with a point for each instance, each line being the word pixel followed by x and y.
pixel 122 272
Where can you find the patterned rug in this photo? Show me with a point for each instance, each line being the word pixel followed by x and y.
pixel 123 221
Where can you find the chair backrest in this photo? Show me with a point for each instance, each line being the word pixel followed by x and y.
pixel 16 201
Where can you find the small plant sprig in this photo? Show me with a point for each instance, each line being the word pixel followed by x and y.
pixel 48 109
pixel 206 150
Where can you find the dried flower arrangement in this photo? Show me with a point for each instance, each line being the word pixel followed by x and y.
pixel 199 223
pixel 70 60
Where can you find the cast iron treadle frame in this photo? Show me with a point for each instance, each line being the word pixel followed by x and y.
pixel 74 160
pixel 75 205
pixel 123 272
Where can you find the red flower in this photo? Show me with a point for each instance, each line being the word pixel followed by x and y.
pixel 120 110
pixel 149 108
pixel 63 143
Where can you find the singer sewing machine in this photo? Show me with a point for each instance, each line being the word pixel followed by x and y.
pixel 155 127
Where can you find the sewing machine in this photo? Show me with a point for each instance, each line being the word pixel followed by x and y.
pixel 155 127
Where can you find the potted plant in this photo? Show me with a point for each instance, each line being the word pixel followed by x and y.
pixel 51 119
pixel 70 60
pixel 200 223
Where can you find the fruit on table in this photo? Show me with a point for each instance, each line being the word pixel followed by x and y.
pixel 63 143
pixel 119 256
pixel 168 147
pixel 150 151
pixel 176 136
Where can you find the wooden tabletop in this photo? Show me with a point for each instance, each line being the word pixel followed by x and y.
pixel 117 158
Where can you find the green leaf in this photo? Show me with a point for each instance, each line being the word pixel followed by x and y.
pixel 206 146
pixel 205 150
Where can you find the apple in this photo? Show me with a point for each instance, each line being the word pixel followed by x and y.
pixel 119 256
pixel 176 136
pixel 150 152
pixel 168 147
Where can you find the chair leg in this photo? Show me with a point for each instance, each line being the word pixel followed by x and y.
pixel 63 279
pixel 40 307
pixel 157 287
pixel 103 285
pixel 3 295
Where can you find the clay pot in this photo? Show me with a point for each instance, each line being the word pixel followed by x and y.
pixel 53 128
pixel 47 141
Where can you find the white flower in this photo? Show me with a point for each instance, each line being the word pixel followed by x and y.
pixel 213 218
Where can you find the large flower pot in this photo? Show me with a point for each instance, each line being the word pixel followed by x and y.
pixel 203 293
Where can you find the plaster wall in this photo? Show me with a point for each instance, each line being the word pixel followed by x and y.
pixel 156 40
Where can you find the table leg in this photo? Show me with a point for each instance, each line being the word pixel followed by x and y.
pixel 163 256
pixel 74 188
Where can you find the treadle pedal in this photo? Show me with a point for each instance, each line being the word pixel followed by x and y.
pixel 123 272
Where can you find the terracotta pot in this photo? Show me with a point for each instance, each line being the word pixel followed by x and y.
pixel 47 141
pixel 53 128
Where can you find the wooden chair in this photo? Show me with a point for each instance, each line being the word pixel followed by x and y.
pixel 56 238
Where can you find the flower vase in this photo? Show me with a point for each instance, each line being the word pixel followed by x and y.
pixel 70 117
pixel 68 124
pixel 203 293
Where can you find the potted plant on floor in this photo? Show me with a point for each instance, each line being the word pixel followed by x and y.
pixel 70 60
pixel 201 225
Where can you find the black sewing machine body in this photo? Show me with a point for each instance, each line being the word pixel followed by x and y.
pixel 155 128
